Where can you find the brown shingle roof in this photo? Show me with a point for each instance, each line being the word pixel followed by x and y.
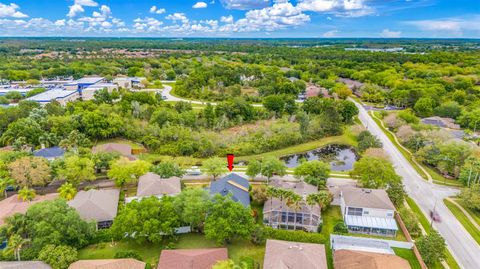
pixel 99 205
pixel 301 188
pixel 350 259
pixel 294 255
pixel 24 265
pixel 124 149
pixel 367 198
pixel 108 264
pixel 13 204
pixel 191 258
pixel 151 184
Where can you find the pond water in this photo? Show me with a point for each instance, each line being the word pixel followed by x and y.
pixel 340 157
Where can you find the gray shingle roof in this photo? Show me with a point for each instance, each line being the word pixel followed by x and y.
pixel 233 184
pixel 367 198
pixel 301 188
pixel 98 205
pixel 151 184
pixel 294 255
pixel 24 265
pixel 53 152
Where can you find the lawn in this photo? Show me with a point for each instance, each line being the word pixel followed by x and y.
pixel 151 252
pixel 331 216
pixel 408 255
pixel 467 224
pixel 475 215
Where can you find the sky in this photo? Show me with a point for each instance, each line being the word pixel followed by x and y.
pixel 242 18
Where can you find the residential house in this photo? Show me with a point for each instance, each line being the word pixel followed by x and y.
pixel 13 204
pixel 234 185
pixel 151 184
pixel 294 255
pixel 123 149
pixel 353 259
pixel 50 153
pixel 24 265
pixel 277 214
pixel 108 264
pixel 191 258
pixel 98 205
pixel 368 211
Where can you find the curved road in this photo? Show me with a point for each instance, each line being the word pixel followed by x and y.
pixel 427 195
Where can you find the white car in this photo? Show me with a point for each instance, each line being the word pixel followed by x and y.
pixel 193 171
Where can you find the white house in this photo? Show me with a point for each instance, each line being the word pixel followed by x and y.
pixel 368 211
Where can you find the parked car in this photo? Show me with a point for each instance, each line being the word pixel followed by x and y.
pixel 12 188
pixel 435 216
pixel 193 171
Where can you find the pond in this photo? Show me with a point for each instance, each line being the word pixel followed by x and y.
pixel 340 157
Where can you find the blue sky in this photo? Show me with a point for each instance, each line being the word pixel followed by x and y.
pixel 241 18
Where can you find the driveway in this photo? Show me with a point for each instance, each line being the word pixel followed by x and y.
pixel 428 195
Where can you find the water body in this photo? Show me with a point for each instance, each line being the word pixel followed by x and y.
pixel 340 157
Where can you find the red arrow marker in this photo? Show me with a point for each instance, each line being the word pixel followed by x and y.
pixel 230 161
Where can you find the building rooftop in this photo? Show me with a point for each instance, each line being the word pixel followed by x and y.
pixel 24 265
pixel 367 198
pixel 301 188
pixel 53 152
pixel 99 86
pixel 351 259
pixel 123 149
pixel 13 204
pixel 371 222
pixel 294 255
pixel 151 184
pixel 108 264
pixel 89 80
pixel 98 205
pixel 50 95
pixel 191 258
pixel 233 184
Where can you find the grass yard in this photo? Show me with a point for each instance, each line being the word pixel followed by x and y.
pixel 475 215
pixel 467 224
pixel 151 252
pixel 408 255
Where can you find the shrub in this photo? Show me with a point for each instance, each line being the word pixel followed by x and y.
pixel 258 236
pixel 103 235
pixel 408 116
pixel 411 222
pixel 340 228
pixel 296 236
pixel 128 254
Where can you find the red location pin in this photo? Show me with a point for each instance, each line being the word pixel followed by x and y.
pixel 230 161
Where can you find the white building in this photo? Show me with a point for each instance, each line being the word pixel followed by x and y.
pixel 368 211
pixel 129 82
pixel 59 94
pixel 88 93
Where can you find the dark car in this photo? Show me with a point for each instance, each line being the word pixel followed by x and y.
pixel 11 188
pixel 435 216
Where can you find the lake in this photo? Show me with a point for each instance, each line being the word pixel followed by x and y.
pixel 340 157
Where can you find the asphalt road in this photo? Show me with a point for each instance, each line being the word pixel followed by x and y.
pixel 427 195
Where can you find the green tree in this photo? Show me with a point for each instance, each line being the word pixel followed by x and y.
pixel 5 182
pixel 411 221
pixel 27 194
pixel 227 219
pixel 348 110
pixel 124 171
pixel 58 257
pixel 470 197
pixel 215 167
pixel 274 103
pixel 148 220
pixel 322 198
pixel 316 171
pixel 273 166
pixel 366 140
pixel 374 172
pixel 15 245
pixel 424 107
pixel 168 169
pixel 67 191
pixel 432 247
pixel 254 168
pixel 77 169
pixel 396 193
pixel 30 171
pixel 192 205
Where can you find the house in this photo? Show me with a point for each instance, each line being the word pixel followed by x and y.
pixel 277 214
pixel 294 255
pixel 88 93
pixel 60 95
pixel 353 259
pixel 368 211
pixel 13 204
pixel 24 265
pixel 191 258
pixel 98 205
pixel 50 153
pixel 151 184
pixel 234 185
pixel 108 264
pixel 123 149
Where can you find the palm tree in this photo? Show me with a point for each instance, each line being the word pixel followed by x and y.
pixel 5 183
pixel 15 244
pixel 271 192
pixel 323 199
pixel 311 201
pixel 67 191
pixel 293 201
pixel 27 194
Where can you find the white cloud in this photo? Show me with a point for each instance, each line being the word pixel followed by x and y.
pixel 390 34
pixel 78 5
pixel 227 19
pixel 87 3
pixel 177 17
pixel 340 8
pixel 11 11
pixel 448 26
pixel 200 5
pixel 156 10
pixel 60 23
pixel 331 33
pixel 244 4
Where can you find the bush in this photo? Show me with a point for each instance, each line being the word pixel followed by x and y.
pixel 103 235
pixel 128 254
pixel 258 236
pixel 319 228
pixel 408 116
pixel 58 257
pixel 296 236
pixel 340 228
pixel 411 222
